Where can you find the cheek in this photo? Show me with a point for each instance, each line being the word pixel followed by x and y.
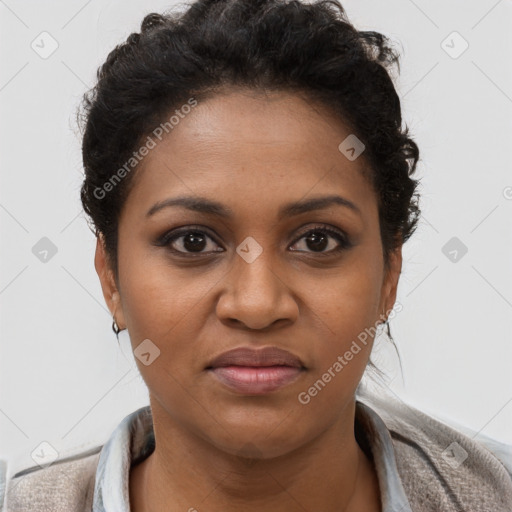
pixel 166 306
pixel 347 302
pixel 341 352
pixel 156 296
pixel 345 311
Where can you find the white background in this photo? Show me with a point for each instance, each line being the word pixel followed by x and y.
pixel 63 378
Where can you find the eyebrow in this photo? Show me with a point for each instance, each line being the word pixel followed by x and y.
pixel 208 206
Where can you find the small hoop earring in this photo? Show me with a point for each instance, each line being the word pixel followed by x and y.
pixel 386 321
pixel 115 327
pixel 385 325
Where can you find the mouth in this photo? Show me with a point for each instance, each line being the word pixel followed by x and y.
pixel 255 372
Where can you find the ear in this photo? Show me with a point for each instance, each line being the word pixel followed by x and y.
pixel 390 283
pixel 108 283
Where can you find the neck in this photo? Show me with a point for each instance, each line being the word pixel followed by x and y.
pixel 185 472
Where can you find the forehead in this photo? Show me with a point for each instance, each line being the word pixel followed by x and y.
pixel 248 146
pixel 262 121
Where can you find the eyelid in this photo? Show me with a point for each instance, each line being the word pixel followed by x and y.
pixel 323 227
pixel 173 234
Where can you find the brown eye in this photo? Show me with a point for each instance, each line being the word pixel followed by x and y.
pixel 193 241
pixel 189 241
pixel 317 241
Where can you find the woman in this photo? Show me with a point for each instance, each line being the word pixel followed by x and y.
pixel 250 186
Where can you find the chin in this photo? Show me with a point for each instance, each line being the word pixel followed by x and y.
pixel 259 439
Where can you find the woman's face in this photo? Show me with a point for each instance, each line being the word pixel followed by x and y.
pixel 253 277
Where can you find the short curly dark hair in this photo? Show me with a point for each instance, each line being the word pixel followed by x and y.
pixel 285 45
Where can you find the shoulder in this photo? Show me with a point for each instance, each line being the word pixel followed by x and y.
pixel 443 468
pixel 66 485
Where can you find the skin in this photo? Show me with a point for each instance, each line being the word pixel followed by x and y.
pixel 218 450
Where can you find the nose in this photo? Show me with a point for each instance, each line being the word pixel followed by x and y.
pixel 256 295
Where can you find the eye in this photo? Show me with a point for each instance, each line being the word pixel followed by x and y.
pixel 317 239
pixel 189 241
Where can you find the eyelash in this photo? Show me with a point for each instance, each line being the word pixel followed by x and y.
pixel 171 236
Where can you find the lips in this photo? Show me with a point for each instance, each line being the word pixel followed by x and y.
pixel 267 356
pixel 249 371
